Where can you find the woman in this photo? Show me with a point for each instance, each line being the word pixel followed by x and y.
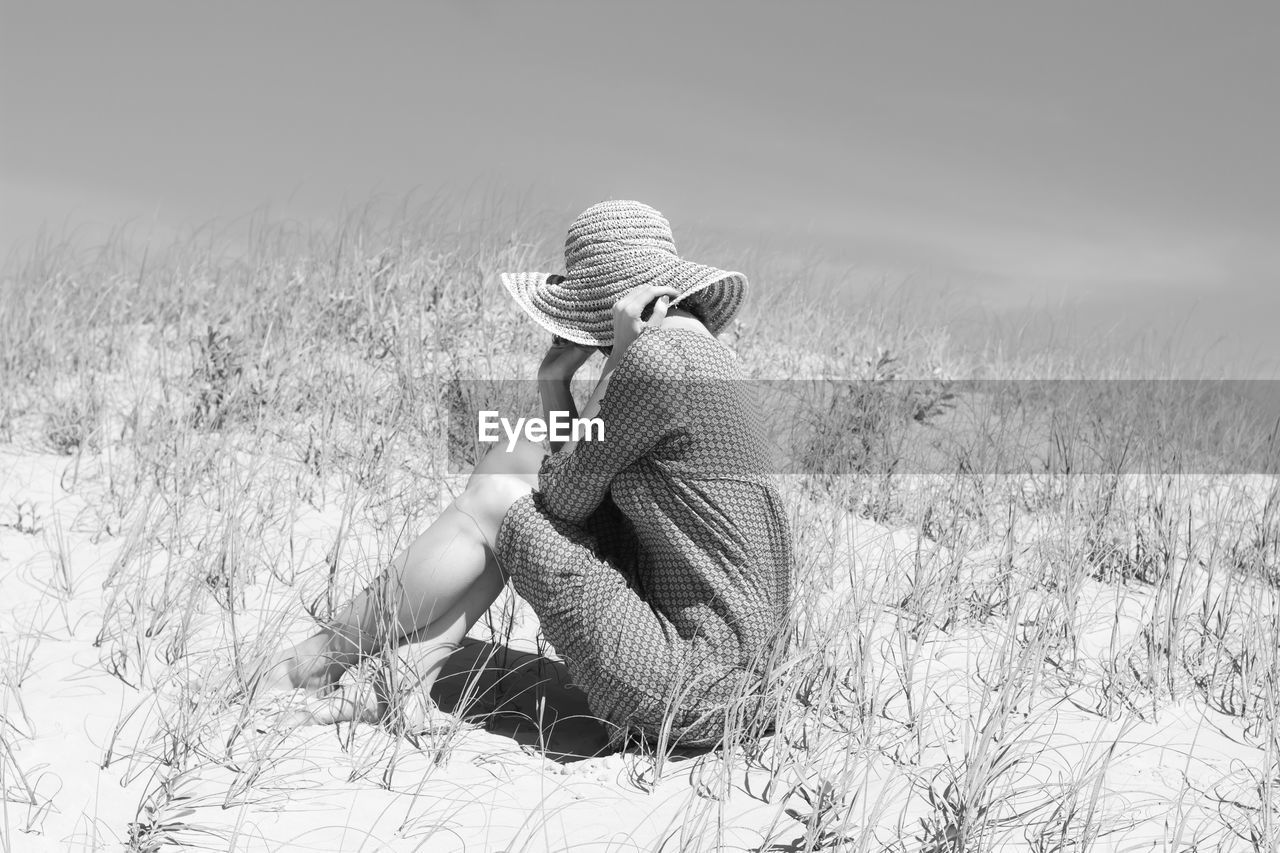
pixel 657 557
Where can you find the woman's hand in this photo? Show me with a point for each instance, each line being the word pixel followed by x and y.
pixel 562 360
pixel 627 311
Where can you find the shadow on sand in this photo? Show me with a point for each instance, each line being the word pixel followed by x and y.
pixel 527 697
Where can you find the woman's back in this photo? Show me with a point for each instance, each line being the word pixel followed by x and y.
pixel 706 543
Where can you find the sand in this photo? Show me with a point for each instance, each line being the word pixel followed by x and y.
pixel 85 750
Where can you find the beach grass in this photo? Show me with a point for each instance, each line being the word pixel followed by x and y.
pixel 1037 595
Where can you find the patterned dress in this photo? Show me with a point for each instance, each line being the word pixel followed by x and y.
pixel 658 559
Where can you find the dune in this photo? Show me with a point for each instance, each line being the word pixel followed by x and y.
pixel 986 654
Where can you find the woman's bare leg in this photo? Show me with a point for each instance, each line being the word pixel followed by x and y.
pixel 437 641
pixel 433 592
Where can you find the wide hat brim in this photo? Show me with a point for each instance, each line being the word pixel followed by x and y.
pixel 581 310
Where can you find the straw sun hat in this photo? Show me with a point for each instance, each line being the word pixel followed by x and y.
pixel 612 247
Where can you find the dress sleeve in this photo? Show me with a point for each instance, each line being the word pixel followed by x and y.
pixel 640 410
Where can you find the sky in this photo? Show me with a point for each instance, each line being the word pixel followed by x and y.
pixel 1114 159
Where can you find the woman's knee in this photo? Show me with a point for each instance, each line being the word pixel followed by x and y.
pixel 488 496
pixel 521 460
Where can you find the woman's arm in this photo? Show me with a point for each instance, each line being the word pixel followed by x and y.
pixel 627 325
pixel 555 375
pixel 556 397
pixel 565 357
pixel 592 409
pixel 638 416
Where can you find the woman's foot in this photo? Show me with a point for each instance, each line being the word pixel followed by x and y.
pixel 411 713
pixel 309 666
pixel 342 705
